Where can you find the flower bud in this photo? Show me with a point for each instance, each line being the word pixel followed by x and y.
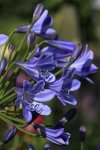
pixel 38 11
pixel 31 147
pixel 9 134
pixel 11 48
pixel 3 65
pixel 66 118
pixel 47 147
pixel 30 38
pixel 82 132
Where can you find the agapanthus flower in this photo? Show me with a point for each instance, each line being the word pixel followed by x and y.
pixel 63 86
pixel 41 27
pixel 31 97
pixel 9 134
pixel 37 66
pixel 3 39
pixel 57 136
pixel 83 64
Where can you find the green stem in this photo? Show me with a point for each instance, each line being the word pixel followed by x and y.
pixel 32 53
pixel 82 145
pixel 27 132
pixel 8 99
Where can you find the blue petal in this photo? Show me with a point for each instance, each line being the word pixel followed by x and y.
pixel 54 132
pixel 66 98
pixel 18 101
pixel 27 115
pixel 38 86
pixel 68 46
pixel 3 39
pixel 57 85
pixel 47 76
pixel 19 91
pixel 71 84
pixel 44 96
pixel 29 68
pixel 23 29
pixel 39 108
pixel 26 85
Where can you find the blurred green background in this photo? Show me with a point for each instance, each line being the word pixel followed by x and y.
pixel 75 20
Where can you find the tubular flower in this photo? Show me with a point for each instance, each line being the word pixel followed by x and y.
pixel 57 136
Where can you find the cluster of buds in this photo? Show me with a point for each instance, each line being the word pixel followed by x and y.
pixel 51 69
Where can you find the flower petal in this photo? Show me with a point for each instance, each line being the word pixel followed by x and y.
pixel 45 95
pixel 3 39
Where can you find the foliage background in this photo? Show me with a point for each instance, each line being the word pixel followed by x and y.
pixel 75 20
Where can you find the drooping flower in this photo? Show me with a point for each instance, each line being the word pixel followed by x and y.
pixel 9 134
pixel 83 64
pixel 56 136
pixel 41 27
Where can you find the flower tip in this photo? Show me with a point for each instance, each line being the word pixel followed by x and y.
pixel 38 11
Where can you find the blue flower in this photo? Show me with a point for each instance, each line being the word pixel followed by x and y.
pixel 31 97
pixel 56 136
pixel 9 134
pixel 83 64
pixel 37 67
pixel 59 55
pixel 41 27
pixel 63 86
pixel 3 39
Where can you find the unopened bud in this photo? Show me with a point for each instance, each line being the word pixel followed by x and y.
pixel 47 147
pixel 30 38
pixel 3 65
pixel 9 134
pixel 38 11
pixel 66 118
pixel 82 132
pixel 11 47
pixel 31 147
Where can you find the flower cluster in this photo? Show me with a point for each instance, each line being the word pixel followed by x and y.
pixel 53 68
